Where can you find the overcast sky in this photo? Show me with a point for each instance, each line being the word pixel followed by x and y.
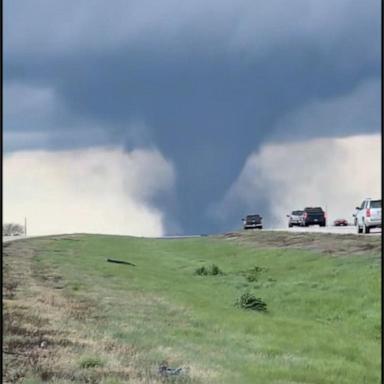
pixel 201 87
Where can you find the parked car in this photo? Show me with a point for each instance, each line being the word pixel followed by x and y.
pixel 340 222
pixel 368 215
pixel 296 218
pixel 314 216
pixel 253 221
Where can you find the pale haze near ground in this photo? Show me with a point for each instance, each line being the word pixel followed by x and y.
pixel 101 190
pixel 336 174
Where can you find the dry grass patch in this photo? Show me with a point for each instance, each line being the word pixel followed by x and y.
pixel 48 333
pixel 331 244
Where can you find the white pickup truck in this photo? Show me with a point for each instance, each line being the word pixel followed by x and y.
pixel 368 215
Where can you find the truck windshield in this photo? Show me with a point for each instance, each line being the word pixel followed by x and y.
pixel 376 204
pixel 314 210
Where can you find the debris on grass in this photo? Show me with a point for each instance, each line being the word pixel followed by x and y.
pixel 249 301
pixel 164 370
pixel 167 373
pixel 120 262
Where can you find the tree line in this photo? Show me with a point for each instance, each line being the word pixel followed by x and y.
pixel 12 229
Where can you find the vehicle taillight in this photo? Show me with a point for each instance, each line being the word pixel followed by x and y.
pixel 325 215
pixel 305 215
pixel 368 212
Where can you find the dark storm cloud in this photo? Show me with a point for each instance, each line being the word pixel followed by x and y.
pixel 205 82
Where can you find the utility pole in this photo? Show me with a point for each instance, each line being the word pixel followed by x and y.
pixel 25 226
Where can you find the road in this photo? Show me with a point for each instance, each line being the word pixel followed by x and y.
pixel 11 238
pixel 350 229
pixel 7 239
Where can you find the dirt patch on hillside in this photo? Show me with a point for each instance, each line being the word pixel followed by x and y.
pixel 46 334
pixel 36 341
pixel 327 243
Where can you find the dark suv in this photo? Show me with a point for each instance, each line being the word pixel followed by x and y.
pixel 314 216
pixel 252 221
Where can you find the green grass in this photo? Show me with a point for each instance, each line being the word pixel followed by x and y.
pixel 322 324
pixel 90 362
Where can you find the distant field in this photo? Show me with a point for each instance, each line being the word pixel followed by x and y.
pixel 70 316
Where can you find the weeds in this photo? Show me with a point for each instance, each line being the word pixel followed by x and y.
pixel 91 362
pixel 249 301
pixel 213 270
pixel 252 274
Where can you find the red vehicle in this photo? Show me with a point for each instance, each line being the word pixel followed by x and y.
pixel 340 222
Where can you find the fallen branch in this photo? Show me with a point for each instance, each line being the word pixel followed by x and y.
pixel 120 262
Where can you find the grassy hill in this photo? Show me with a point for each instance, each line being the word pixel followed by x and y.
pixel 71 316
